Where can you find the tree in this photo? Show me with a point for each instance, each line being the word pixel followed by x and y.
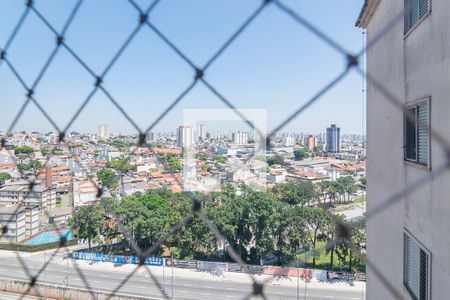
pixel 317 221
pixel 231 215
pixel 346 186
pixel 275 160
pixel 339 187
pixel 205 167
pixel 220 159
pixel 145 217
pixel 363 180
pixel 175 165
pixel 86 222
pixel 45 151
pixel 201 156
pixel 118 143
pixel 108 179
pixel 288 230
pixel 4 177
pixel 122 165
pixel 292 194
pixel 358 243
pixel 73 146
pixel 261 207
pixel 323 188
pixel 23 150
pixel 300 153
pixel 33 164
pixel 330 232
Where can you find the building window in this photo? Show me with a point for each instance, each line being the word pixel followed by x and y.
pixel 416 133
pixel 415 11
pixel 416 268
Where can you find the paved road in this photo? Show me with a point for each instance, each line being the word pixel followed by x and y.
pixel 358 211
pixel 183 288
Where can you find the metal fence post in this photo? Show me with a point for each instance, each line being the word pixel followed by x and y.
pixel 172 276
pixel 298 281
pixel 164 289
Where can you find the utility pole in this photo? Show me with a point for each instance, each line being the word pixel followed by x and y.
pixel 45 270
pixel 298 281
pixel 67 269
pixel 172 276
pixel 304 277
pixel 164 261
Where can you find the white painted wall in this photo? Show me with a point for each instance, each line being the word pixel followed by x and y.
pixel 410 67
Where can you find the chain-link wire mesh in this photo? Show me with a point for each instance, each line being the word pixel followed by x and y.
pixel 344 230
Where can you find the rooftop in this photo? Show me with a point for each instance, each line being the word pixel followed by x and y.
pixel 11 209
pixel 366 13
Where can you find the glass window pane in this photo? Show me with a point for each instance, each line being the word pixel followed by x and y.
pixel 410 134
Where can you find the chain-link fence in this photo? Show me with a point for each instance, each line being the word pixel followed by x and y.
pixel 344 230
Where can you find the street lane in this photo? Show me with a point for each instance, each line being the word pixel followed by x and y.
pixel 142 285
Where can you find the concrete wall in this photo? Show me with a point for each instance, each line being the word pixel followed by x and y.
pixel 410 68
pixel 60 292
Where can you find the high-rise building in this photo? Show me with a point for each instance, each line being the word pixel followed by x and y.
pixel 103 131
pixel 289 141
pixel 150 137
pixel 333 139
pixel 311 142
pixel 201 132
pixel 240 138
pixel 185 136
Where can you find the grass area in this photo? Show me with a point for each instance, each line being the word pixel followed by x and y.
pixel 323 260
pixel 360 200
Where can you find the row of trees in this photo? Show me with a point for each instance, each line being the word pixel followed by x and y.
pixel 323 192
pixel 306 194
pixel 256 224
pixel 31 165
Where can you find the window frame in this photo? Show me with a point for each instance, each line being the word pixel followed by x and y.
pixel 416 104
pixel 407 233
pixel 406 31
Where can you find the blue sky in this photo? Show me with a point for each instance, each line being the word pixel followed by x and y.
pixel 275 64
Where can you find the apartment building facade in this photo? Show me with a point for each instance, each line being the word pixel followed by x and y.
pixel 20 194
pixel 21 222
pixel 408 242
pixel 59 176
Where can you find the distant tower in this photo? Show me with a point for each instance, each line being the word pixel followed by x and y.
pixel 150 137
pixel 185 136
pixel 103 131
pixel 289 141
pixel 240 138
pixel 201 132
pixel 333 139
